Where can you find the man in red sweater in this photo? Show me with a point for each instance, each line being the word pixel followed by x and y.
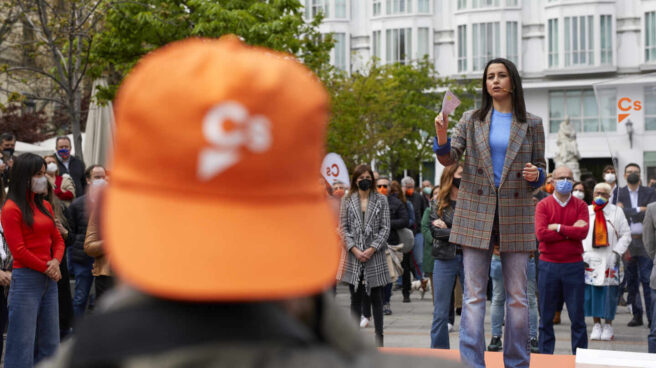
pixel 561 223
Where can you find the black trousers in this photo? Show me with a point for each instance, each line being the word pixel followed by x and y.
pixel 65 300
pixel 376 298
pixel 407 274
pixel 103 283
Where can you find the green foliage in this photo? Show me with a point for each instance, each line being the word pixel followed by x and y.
pixel 134 28
pixel 387 113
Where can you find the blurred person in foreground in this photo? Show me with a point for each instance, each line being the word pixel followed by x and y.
pixel 608 238
pixel 183 301
pixel 561 224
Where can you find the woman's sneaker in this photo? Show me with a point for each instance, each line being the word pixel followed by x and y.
pixel 387 309
pixel 364 322
pixel 596 332
pixel 495 344
pixel 607 333
pixel 534 346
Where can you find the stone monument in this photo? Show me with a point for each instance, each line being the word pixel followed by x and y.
pixel 568 151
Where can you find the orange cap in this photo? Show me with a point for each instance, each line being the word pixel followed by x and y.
pixel 213 194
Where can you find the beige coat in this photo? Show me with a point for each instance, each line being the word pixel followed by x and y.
pixel 93 247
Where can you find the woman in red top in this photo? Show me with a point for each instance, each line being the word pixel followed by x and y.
pixel 37 248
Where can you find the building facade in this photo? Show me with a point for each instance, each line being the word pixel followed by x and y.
pixel 593 61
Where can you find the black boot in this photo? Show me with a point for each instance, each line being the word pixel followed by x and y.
pixel 636 321
pixel 495 344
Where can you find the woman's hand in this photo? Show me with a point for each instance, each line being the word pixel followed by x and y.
pixel 439 224
pixel 368 253
pixel 53 269
pixel 359 255
pixel 531 172
pixel 62 229
pixel 441 124
pixel 5 278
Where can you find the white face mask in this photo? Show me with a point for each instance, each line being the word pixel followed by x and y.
pixel 40 185
pixel 99 182
pixel 609 178
pixel 578 194
pixel 51 168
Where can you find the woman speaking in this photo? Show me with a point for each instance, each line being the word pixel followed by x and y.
pixel 503 164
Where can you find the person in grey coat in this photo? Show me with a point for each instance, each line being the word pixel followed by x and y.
pixel 365 225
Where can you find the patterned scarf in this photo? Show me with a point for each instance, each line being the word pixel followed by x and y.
pixel 600 231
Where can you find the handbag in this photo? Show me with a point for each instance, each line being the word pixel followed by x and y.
pixel 407 238
pixel 394 263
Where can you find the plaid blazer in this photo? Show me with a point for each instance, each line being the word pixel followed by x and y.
pixel 478 198
pixel 372 231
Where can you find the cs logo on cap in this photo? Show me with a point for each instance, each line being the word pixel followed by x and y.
pixel 252 132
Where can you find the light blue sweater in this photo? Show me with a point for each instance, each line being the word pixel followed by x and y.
pixel 499 137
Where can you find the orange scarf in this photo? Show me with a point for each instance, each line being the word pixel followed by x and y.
pixel 600 231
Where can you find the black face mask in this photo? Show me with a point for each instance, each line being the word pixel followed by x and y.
pixel 456 182
pixel 8 152
pixel 633 178
pixel 364 184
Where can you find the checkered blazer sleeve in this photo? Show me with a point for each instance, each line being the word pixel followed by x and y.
pixel 458 141
pixel 537 157
pixel 344 225
pixel 380 238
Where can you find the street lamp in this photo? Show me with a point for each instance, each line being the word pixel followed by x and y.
pixel 629 131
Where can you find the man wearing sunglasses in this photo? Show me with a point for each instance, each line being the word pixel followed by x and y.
pixel 561 224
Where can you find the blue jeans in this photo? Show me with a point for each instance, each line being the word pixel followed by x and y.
pixel 497 310
pixel 33 332
pixel 651 339
pixel 637 271
pixel 418 253
pixel 83 282
pixel 472 322
pixel 444 276
pixel 562 281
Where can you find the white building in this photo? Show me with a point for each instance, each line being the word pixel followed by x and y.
pixel 564 49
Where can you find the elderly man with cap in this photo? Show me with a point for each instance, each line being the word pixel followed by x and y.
pixel 244 118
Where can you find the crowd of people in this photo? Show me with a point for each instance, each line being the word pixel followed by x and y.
pixel 507 230
pixel 497 226
pixel 47 203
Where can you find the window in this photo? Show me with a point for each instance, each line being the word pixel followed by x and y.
pixel 581 108
pixel 650 108
pixel 422 42
pixel 553 43
pixel 376 44
pixel 512 52
pixel 484 3
pixel 511 2
pixel 578 40
pixel 340 9
pixel 399 6
pixel 650 165
pixel 377 5
pixel 423 6
pixel 486 43
pixel 462 4
pixel 650 37
pixel 313 7
pixel 340 51
pixel 462 48
pixel 606 39
pixel 398 45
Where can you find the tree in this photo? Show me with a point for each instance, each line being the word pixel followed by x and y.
pixel 134 28
pixel 54 54
pixel 386 113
